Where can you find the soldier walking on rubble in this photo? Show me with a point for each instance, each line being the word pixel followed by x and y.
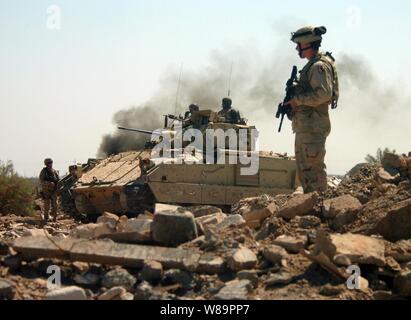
pixel 230 114
pixel 316 89
pixel 49 179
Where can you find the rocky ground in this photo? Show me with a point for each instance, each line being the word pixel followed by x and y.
pixel 283 247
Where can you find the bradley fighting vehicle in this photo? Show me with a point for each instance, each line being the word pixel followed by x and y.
pixel 131 182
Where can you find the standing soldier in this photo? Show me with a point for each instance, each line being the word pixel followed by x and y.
pixel 48 180
pixel 317 88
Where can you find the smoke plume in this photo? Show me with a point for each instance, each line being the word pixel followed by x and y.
pixel 371 113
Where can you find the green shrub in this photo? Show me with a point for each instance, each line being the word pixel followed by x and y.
pixel 16 193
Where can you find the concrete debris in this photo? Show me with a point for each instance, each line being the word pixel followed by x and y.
pixel 280 278
pixel 176 276
pixel 234 220
pixel 212 219
pixel 201 211
pixel 6 290
pixel 299 205
pixel 308 222
pixel 250 275
pixel 396 225
pixel 87 279
pixel 109 218
pixel 358 248
pixel 119 277
pixel 241 259
pixel 340 205
pixel 402 283
pixel 275 254
pixel 291 244
pixel 255 210
pixel 114 293
pixel 152 271
pixel 235 290
pixel 211 264
pixel 67 293
pixel 172 228
pixel 105 252
pixel 143 291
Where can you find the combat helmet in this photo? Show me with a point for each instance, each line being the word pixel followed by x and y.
pixel 308 34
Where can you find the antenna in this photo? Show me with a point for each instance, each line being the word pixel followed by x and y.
pixel 178 89
pixel 229 80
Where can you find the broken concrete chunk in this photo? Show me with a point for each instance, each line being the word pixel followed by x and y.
pixel 242 259
pixel 291 244
pixel 308 222
pixel 201 211
pixel 212 219
pixel 6 289
pixel 400 251
pixel 392 160
pixel 67 293
pixel 254 210
pixel 250 275
pixel 234 220
pixel 114 293
pixel 109 218
pixel 340 205
pixel 143 291
pixel 85 231
pixel 211 264
pixel 402 283
pixel 105 252
pixel 342 260
pixel 235 290
pixel 176 276
pixel 35 233
pixel 358 248
pixel 142 227
pixel 280 278
pixel 152 271
pixel 103 229
pixel 119 278
pixel 299 205
pixel 387 176
pixel 86 279
pixel 396 225
pixel 275 254
pixel 171 228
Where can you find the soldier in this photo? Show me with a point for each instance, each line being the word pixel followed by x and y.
pixel 191 109
pixel 187 116
pixel 316 89
pixel 230 114
pixel 48 180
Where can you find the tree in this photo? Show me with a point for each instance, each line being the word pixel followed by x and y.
pixel 379 156
pixel 16 193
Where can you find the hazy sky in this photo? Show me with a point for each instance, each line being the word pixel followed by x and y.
pixel 60 88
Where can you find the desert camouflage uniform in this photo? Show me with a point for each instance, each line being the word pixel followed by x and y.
pixel 230 115
pixel 48 180
pixel 311 123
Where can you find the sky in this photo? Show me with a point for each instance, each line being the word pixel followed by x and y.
pixel 61 80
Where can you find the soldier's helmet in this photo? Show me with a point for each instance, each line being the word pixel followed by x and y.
pixel 193 108
pixel 48 161
pixel 227 102
pixel 308 34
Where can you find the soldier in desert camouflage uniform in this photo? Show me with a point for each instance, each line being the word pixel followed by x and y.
pixel 48 181
pixel 317 88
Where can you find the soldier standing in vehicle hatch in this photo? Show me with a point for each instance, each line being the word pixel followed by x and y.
pixel 316 89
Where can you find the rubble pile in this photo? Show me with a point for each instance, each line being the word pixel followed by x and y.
pixel 351 242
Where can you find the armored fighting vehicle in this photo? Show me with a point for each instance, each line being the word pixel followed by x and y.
pixel 131 182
